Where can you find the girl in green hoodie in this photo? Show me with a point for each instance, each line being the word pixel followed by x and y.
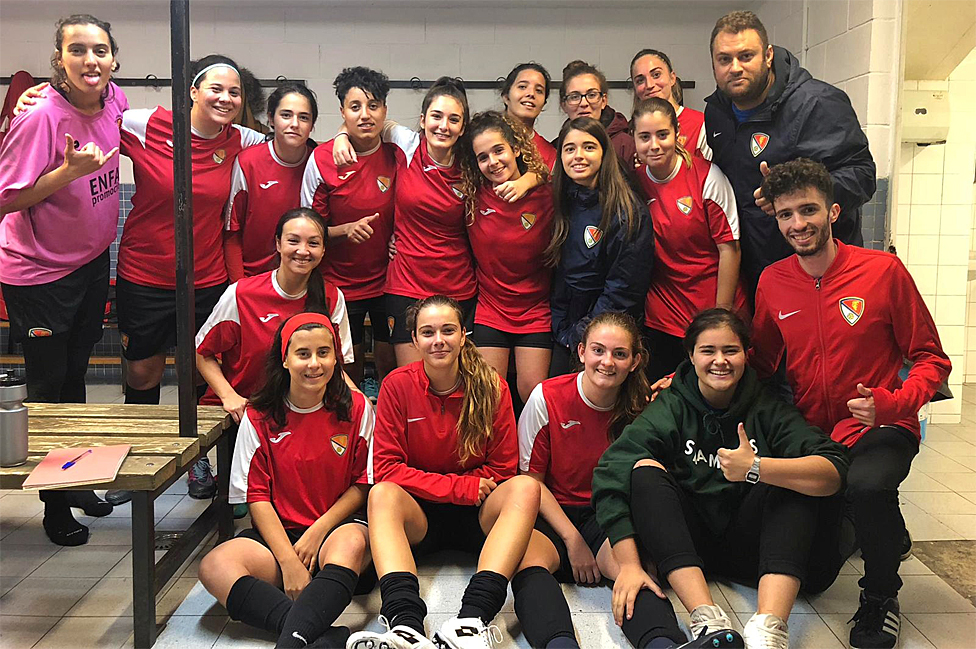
pixel 727 479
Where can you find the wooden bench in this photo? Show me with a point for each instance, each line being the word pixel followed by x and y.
pixel 157 459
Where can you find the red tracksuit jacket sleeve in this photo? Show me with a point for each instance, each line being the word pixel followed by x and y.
pixel 918 339
pixel 501 456
pixel 767 342
pixel 390 457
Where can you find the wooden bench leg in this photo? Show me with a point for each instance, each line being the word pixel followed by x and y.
pixel 225 517
pixel 143 569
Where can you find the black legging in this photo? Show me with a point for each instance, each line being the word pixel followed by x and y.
pixel 880 461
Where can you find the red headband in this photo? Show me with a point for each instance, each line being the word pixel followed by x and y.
pixel 299 319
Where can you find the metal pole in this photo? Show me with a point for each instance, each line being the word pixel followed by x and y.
pixel 179 17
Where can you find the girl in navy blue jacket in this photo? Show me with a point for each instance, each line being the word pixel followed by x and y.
pixel 603 244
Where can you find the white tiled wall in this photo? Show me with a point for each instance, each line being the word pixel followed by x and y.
pixel 933 227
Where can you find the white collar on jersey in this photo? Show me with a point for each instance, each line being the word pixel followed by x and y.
pixel 674 172
pixel 303 411
pixel 280 291
pixel 579 388
pixel 274 156
pixel 680 110
pixel 376 148
pixel 206 137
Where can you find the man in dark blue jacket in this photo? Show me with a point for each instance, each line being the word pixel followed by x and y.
pixel 767 110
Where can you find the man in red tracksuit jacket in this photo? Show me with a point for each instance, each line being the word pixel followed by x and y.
pixel 846 317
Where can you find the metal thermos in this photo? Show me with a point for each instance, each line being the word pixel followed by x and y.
pixel 13 420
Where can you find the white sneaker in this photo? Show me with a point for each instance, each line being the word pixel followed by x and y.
pixel 467 633
pixel 766 631
pixel 399 637
pixel 708 618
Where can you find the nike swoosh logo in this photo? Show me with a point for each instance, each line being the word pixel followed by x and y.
pixel 267 318
pixel 716 133
pixel 411 420
pixel 569 424
pixel 784 316
pixel 268 184
pixel 275 440
pixel 487 212
pixel 347 174
pixel 651 200
pixel 430 167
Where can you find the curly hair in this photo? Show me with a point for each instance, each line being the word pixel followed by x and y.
pixel 59 79
pixel 479 380
pixel 517 136
pixel 794 175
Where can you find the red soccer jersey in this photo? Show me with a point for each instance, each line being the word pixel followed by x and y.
pixel 546 150
pixel 562 435
pixel 508 241
pixel 432 254
pixel 346 195
pixel 693 210
pixel 303 468
pixel 242 325
pixel 262 188
pixel 146 253
pixel 416 440
pixel 691 136
pixel 853 325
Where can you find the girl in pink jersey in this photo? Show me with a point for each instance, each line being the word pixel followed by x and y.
pixel 266 182
pixel 696 234
pixel 59 205
pixel 524 93
pixel 301 466
pixel 243 322
pixel 508 241
pixel 652 76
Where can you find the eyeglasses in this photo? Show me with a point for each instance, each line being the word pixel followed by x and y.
pixel 574 98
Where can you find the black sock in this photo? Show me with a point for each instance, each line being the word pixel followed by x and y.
pixel 92 504
pixel 59 524
pixel 334 638
pixel 258 603
pixel 400 593
pixel 541 608
pixel 563 642
pixel 150 396
pixel 322 601
pixel 653 618
pixel 484 596
pixel 659 643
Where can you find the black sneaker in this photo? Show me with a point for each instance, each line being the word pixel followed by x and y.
pixel 906 546
pixel 876 623
pixel 723 638
pixel 200 483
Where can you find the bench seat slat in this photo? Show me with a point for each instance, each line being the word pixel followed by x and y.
pixel 183 449
pixel 122 411
pixel 112 426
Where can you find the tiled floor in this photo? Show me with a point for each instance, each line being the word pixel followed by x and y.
pixel 81 597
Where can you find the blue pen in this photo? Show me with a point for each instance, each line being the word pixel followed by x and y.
pixel 71 463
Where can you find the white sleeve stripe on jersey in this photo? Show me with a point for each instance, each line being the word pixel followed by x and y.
pixel 706 150
pixel 340 318
pixel 368 421
pixel 224 311
pixel 238 183
pixel 311 180
pixel 135 121
pixel 246 446
pixel 718 190
pixel 369 462
pixel 534 416
pixel 406 138
pixel 249 137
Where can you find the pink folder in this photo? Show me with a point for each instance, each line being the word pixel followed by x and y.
pixel 101 465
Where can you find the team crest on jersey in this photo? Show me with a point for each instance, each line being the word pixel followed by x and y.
pixel 528 220
pixel 383 182
pixel 758 143
pixel 682 140
pixel 457 192
pixel 685 204
pixel 340 443
pixel 39 332
pixel 852 308
pixel 390 322
pixel 592 235
pixel 219 156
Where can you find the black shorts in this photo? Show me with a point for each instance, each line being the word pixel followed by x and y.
pixel 450 527
pixel 396 316
pixel 376 308
pixel 584 519
pixel 72 304
pixel 147 316
pixel 367 580
pixel 485 336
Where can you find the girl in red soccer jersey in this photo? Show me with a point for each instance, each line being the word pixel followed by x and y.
pixel 301 464
pixel 508 241
pixel 432 252
pixel 445 442
pixel 583 93
pixel 266 182
pixel 696 232
pixel 652 76
pixel 243 322
pixel 602 246
pixel 357 202
pixel 524 93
